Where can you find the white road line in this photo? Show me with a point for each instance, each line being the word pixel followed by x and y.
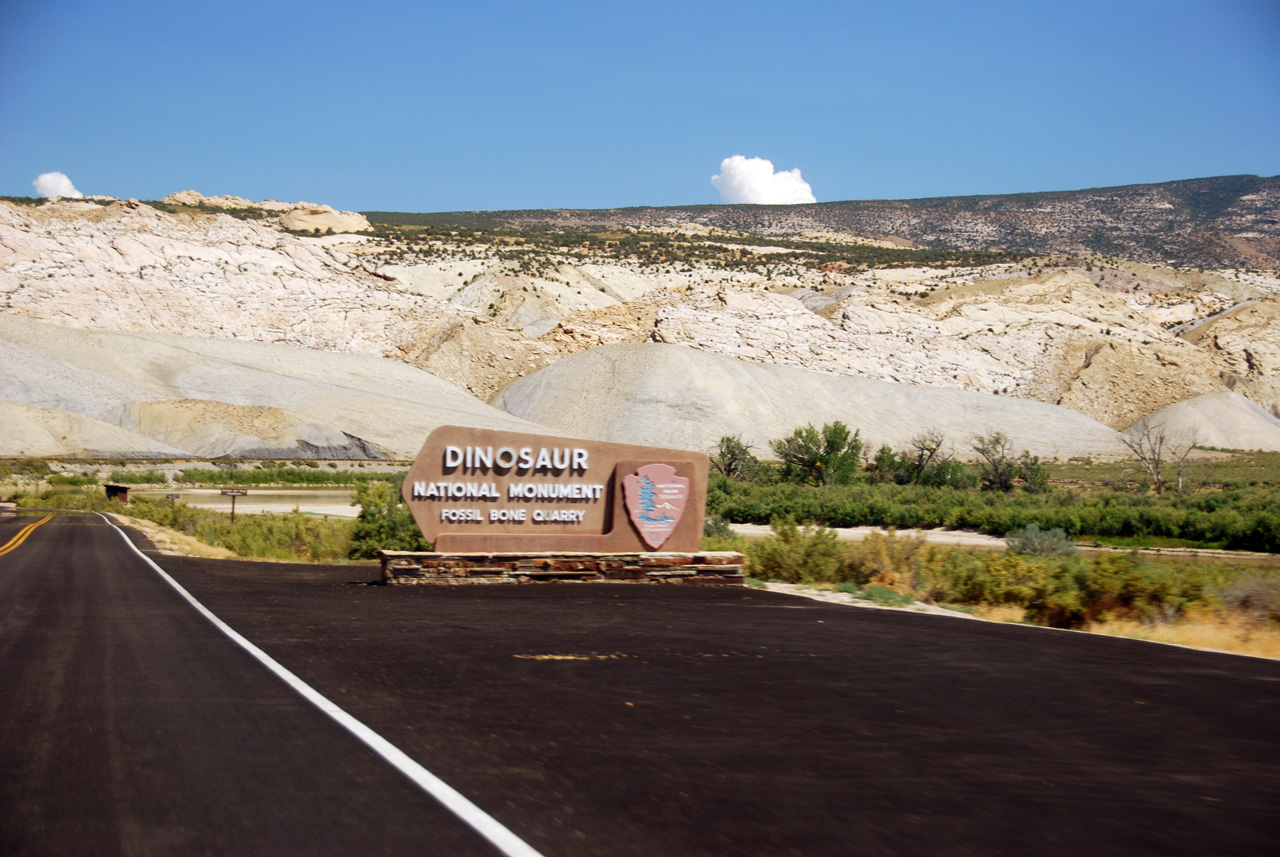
pixel 479 820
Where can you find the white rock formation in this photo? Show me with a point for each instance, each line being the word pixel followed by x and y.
pixel 676 396
pixel 189 395
pixel 1223 420
pixel 43 432
pixel 1029 339
pixel 130 267
pixel 192 197
pixel 1247 340
pixel 309 217
pixel 479 321
pixel 299 216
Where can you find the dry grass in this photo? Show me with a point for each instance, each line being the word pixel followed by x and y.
pixel 999 612
pixel 1241 633
pixel 172 542
pixel 1227 632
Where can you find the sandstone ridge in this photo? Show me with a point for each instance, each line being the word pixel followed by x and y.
pixel 159 395
pixel 671 395
pixel 1113 339
pixel 299 216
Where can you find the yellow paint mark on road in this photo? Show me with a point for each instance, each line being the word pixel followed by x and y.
pixel 21 537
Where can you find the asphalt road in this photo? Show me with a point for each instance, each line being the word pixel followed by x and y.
pixel 597 719
pixel 130 725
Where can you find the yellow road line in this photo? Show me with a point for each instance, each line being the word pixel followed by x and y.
pixel 22 535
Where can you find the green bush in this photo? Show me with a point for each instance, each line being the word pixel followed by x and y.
pixel 384 522
pixel 1079 593
pixel 31 468
pixel 886 597
pixel 888 561
pixel 149 477
pixel 72 480
pixel 795 554
pixel 1060 591
pixel 717 526
pixel 1033 541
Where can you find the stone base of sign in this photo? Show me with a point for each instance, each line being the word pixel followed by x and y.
pixel 708 567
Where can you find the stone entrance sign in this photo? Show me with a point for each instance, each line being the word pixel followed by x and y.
pixel 478 490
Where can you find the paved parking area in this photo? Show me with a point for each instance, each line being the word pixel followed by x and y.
pixel 642 720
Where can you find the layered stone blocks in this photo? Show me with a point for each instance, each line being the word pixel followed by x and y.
pixel 706 567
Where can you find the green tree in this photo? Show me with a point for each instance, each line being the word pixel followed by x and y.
pixel 884 467
pixel 1034 475
pixel 384 522
pixel 996 462
pixel 829 457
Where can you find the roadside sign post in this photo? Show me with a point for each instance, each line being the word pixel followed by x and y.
pixel 476 490
pixel 510 507
pixel 233 493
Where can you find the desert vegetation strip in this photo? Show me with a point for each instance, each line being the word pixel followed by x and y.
pixel 1040 581
pixel 1245 519
pixel 829 476
pixel 258 475
pixel 534 247
pixel 1203 222
pixel 383 522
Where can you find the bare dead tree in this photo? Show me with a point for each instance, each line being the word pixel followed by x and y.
pixel 734 458
pixel 1153 444
pixel 924 449
pixel 1180 461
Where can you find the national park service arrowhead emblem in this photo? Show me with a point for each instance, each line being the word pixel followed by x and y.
pixel 655 499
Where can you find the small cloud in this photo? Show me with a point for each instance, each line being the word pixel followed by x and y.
pixel 54 185
pixel 753 180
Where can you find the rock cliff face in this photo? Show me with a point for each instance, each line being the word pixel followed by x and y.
pixel 673 395
pixel 130 267
pixel 1113 340
pixel 1059 340
pixel 1246 339
pixel 297 216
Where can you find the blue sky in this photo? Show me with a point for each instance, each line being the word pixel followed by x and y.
pixel 424 106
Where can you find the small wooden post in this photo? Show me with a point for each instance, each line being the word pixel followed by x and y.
pixel 233 493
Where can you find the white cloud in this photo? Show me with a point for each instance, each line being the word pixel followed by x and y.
pixel 53 185
pixel 753 180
